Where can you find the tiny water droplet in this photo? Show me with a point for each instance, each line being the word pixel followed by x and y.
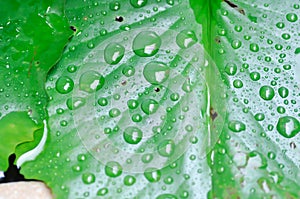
pixel 138 3
pixel 114 6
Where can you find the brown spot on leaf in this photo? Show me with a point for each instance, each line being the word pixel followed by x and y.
pixel 213 113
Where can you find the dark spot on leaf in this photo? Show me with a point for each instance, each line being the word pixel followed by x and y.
pixel 156 89
pixel 218 40
pixel 123 83
pixel 293 145
pixel 231 4
pixel 213 113
pixel 119 18
pixel 242 11
pixel 73 28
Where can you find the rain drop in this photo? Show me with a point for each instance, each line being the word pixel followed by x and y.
pixel 113 53
pixel 91 81
pixel 156 72
pixel 288 126
pixel 146 44
pixel 132 135
pixel 186 39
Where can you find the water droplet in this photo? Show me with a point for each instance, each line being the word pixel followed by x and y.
pixel 132 104
pixel 288 126
pixel 271 155
pixel 231 69
pixel 129 180
pixel 146 44
pixel 88 178
pixel 254 47
pixel 266 92
pixel 113 53
pixel 259 117
pixel 102 101
pixel 286 36
pixel 149 106
pixel 297 51
pixel 75 103
pixel 235 44
pixel 146 158
pixel 237 83
pixel 136 117
pixel 138 3
pixel 114 6
pixel 255 76
pixel 156 72
pixel 113 169
pixel 186 39
pixel 166 196
pixel 91 81
pixel 283 92
pixel 102 191
pixel 152 174
pixel 174 96
pixel 291 17
pixel 72 69
pixel 280 25
pixel 236 126
pixel 166 148
pixel 64 85
pixel 132 135
pixel 114 112
pixel 128 71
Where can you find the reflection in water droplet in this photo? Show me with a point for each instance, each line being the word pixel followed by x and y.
pixel 132 135
pixel 166 148
pixel 149 106
pixel 64 85
pixel 138 3
pixel 236 126
pixel 91 81
pixel 152 174
pixel 156 72
pixel 186 39
pixel 288 126
pixel 113 53
pixel 113 169
pixel 266 92
pixel 146 44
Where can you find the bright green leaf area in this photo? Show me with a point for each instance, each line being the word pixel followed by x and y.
pixel 175 99
pixel 32 37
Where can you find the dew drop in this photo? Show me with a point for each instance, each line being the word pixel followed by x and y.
pixel 113 169
pixel 288 126
pixel 166 148
pixel 186 39
pixel 254 47
pixel 255 76
pixel 146 44
pixel 237 83
pixel 91 81
pixel 266 93
pixel 129 180
pixel 166 196
pixel 291 17
pixel 102 191
pixel 231 69
pixel 132 104
pixel 149 106
pixel 283 92
pixel 235 44
pixel 152 174
pixel 114 6
pixel 64 85
pixel 138 3
pixel 156 72
pixel 132 135
pixel 114 112
pixel 88 178
pixel 113 53
pixel 128 71
pixel 236 126
pixel 75 103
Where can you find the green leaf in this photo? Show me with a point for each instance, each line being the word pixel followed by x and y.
pixel 134 122
pixel 32 37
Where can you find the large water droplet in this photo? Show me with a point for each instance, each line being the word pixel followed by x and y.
pixel 129 180
pixel 149 106
pixel 236 126
pixel 138 3
pixel 156 72
pixel 88 178
pixel 166 148
pixel 291 17
pixel 64 85
pixel 91 81
pixel 113 53
pixel 266 92
pixel 254 47
pixel 152 174
pixel 288 126
pixel 235 44
pixel 231 69
pixel 132 135
pixel 146 44
pixel 75 103
pixel 283 92
pixel 186 39
pixel 113 169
